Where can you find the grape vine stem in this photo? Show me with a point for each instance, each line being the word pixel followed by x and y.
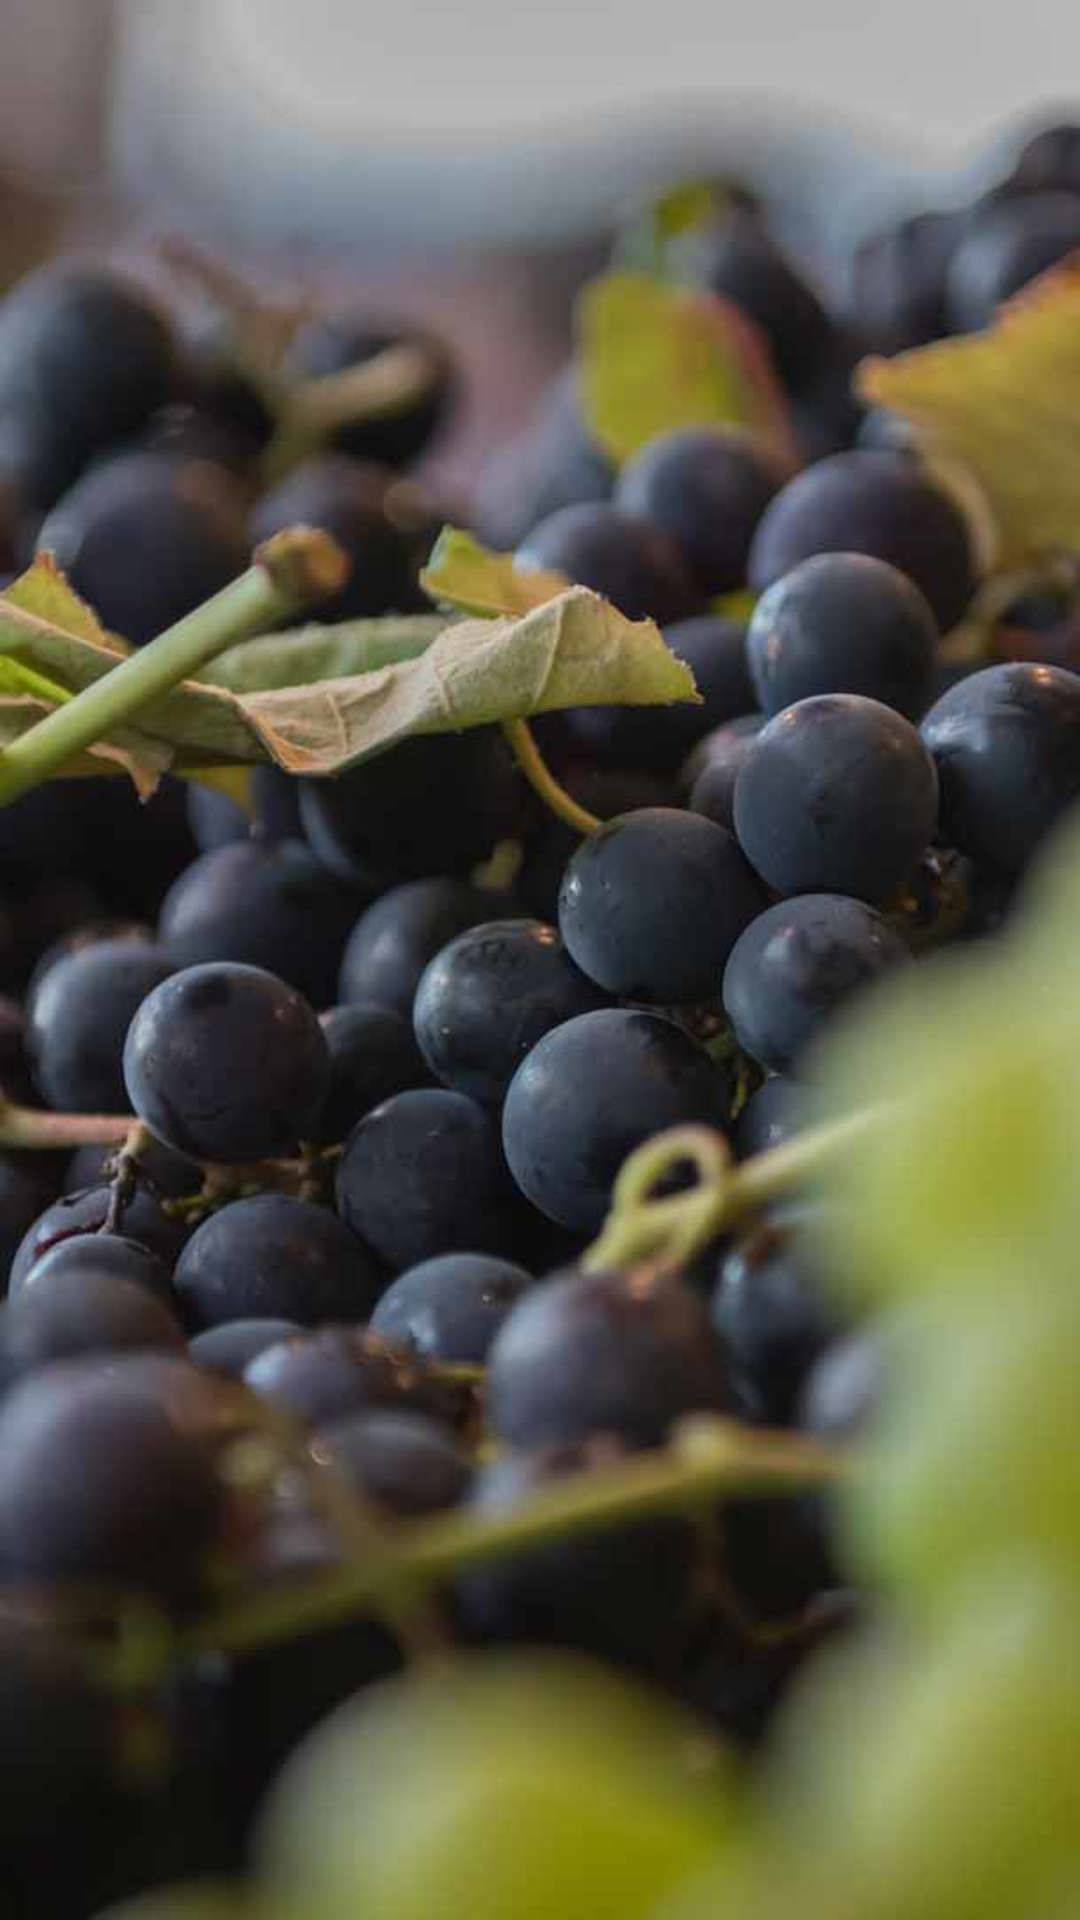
pixel 295 568
pixel 708 1459
pixel 542 780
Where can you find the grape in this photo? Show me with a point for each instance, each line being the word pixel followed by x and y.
pixel 489 996
pixel 81 1215
pixel 1050 157
pixel 837 794
pixel 146 540
pixel 450 1308
pixel 657 739
pixel 63 1312
pixel 719 758
pixel 603 792
pixel 90 933
pixel 263 905
pixel 706 488
pixel 628 561
pixel 535 1786
pixel 738 259
pixel 842 623
pixel 79 1017
pixel 227 1063
pixel 333 342
pixel 796 965
pixel 874 502
pixel 1008 244
pixel 973 1467
pixel 27 1184
pixel 100 1484
pixel 405 1464
pixel 589 1093
pixel 395 938
pixel 85 358
pixel 588 1353
pixel 652 904
pixel 947 1779
pixel 769 1117
pixel 826 414
pixel 58 1776
pixel 94 1260
pixel 772 1316
pixel 423 1174
pixel 433 804
pixel 373 1054
pixel 898 281
pixel 273 1257
pixel 1006 743
pixel 386 540
pixel 622 1594
pixel 216 821
pixel 229 1348
pixel 552 464
pixel 321 1377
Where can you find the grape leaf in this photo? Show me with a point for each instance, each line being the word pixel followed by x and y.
pixel 1004 405
pixel 575 650
pixel 305 654
pixel 462 573
pixel 655 357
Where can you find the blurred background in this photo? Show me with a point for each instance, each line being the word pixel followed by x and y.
pixel 465 163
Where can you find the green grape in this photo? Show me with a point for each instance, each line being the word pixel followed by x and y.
pixel 524 1785
pixel 936 1778
pixel 975 1459
pixel 970 1174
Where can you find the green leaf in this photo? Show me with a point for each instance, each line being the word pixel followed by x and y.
pixel 307 654
pixel 289 702
pixel 573 651
pixel 462 573
pixel 655 357
pixel 44 592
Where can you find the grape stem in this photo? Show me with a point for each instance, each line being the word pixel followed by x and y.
pixel 311 411
pixel 708 1458
pixel 542 780
pixel 295 568
pixel 668 1231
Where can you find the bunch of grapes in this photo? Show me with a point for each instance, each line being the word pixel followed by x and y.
pixel 538 1366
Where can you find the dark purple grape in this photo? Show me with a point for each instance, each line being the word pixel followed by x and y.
pixel 653 902
pixel 631 1074
pixel 706 488
pixel 100 1485
pixel 796 965
pixel 80 1013
pixel 489 996
pixel 403 1464
pixel 79 1215
pixel 384 531
pixel 262 904
pixel 373 1054
pixel 450 1309
pixel 772 1315
pixel 62 1314
pixel 718 761
pixel 842 623
pixel 658 739
pixel 227 1063
pixel 589 1353
pixel 424 1174
pixel 228 1349
pixel 324 1376
pixel 273 1257
pixel 628 561
pixel 1006 744
pixel 395 938
pixel 873 502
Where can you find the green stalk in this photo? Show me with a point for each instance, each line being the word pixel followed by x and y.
pixel 293 569
pixel 714 1459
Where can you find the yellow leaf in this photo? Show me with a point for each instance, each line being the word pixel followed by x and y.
pixel 462 573
pixel 1003 406
pixel 655 357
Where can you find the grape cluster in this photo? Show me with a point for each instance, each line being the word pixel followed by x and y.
pixel 420 1486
